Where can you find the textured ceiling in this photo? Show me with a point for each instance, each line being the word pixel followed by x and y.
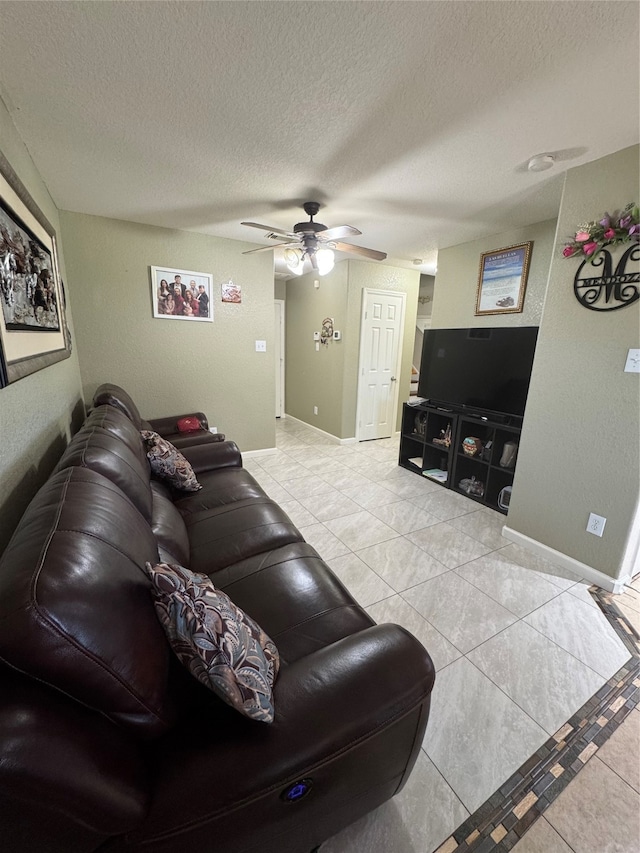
pixel 412 121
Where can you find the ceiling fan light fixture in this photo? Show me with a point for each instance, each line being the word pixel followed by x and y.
pixel 326 261
pixel 294 260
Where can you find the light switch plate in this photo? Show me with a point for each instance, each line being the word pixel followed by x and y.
pixel 632 364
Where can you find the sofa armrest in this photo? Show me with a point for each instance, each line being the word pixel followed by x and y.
pixel 209 457
pixel 80 777
pixel 344 694
pixel 169 424
pixel 349 717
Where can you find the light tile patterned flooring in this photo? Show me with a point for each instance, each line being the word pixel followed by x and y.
pixel 519 645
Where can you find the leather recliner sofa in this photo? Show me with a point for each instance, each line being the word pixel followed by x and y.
pixel 109 394
pixel 108 744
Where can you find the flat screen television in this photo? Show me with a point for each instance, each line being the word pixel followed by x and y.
pixel 480 370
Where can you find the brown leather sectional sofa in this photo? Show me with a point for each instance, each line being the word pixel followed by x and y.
pixel 107 743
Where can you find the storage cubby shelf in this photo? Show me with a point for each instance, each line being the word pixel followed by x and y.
pixel 421 424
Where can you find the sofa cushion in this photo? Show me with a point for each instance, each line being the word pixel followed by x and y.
pixel 226 534
pixel 75 609
pixel 297 599
pixel 98 447
pixel 113 395
pixel 219 644
pixel 119 425
pixel 168 463
pixel 168 528
pixel 220 487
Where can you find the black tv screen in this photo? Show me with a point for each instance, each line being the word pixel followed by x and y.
pixel 478 369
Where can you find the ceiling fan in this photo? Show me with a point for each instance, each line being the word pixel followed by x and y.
pixel 314 241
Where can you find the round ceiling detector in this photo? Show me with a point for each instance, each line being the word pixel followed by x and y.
pixel 541 162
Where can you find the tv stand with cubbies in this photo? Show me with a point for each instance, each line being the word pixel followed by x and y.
pixel 423 449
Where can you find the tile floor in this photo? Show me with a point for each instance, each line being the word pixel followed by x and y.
pixel 519 645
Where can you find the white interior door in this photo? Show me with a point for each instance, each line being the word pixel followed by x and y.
pixel 279 356
pixel 380 355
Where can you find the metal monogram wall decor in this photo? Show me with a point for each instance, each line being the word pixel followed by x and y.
pixel 597 285
pixel 612 288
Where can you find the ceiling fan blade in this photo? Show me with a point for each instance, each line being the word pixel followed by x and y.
pixel 360 250
pixel 269 248
pixel 338 232
pixel 269 229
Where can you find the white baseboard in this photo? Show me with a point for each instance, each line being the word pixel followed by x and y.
pixel 264 451
pixel 334 438
pixel 582 570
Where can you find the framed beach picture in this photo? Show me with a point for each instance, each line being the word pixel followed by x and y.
pixel 181 295
pixel 33 330
pixel 502 280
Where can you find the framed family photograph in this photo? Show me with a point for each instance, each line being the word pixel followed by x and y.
pixel 181 295
pixel 502 280
pixel 33 330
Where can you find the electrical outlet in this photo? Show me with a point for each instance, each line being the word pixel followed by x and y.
pixel 315 410
pixel 261 346
pixel 632 365
pixel 596 524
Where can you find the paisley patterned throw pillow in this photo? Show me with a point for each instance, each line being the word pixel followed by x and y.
pixel 168 463
pixel 218 643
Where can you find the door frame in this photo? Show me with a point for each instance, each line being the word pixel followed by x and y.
pixel 366 292
pixel 280 304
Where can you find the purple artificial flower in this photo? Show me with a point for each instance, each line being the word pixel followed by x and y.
pixel 635 229
pixel 625 221
pixel 606 221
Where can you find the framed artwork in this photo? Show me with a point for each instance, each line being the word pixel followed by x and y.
pixel 181 295
pixel 231 292
pixel 502 280
pixel 33 327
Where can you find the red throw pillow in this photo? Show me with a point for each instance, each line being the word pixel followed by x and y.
pixel 190 424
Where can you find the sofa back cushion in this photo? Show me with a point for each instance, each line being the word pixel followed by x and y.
pixel 75 606
pixel 168 527
pixel 113 395
pixel 104 445
pixel 117 423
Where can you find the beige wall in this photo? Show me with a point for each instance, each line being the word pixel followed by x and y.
pixel 329 378
pixel 456 287
pixel 427 285
pixel 172 366
pixel 316 378
pixel 579 451
pixel 39 412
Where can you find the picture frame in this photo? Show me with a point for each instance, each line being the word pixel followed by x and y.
pixel 231 292
pixel 502 280
pixel 194 295
pixel 33 326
